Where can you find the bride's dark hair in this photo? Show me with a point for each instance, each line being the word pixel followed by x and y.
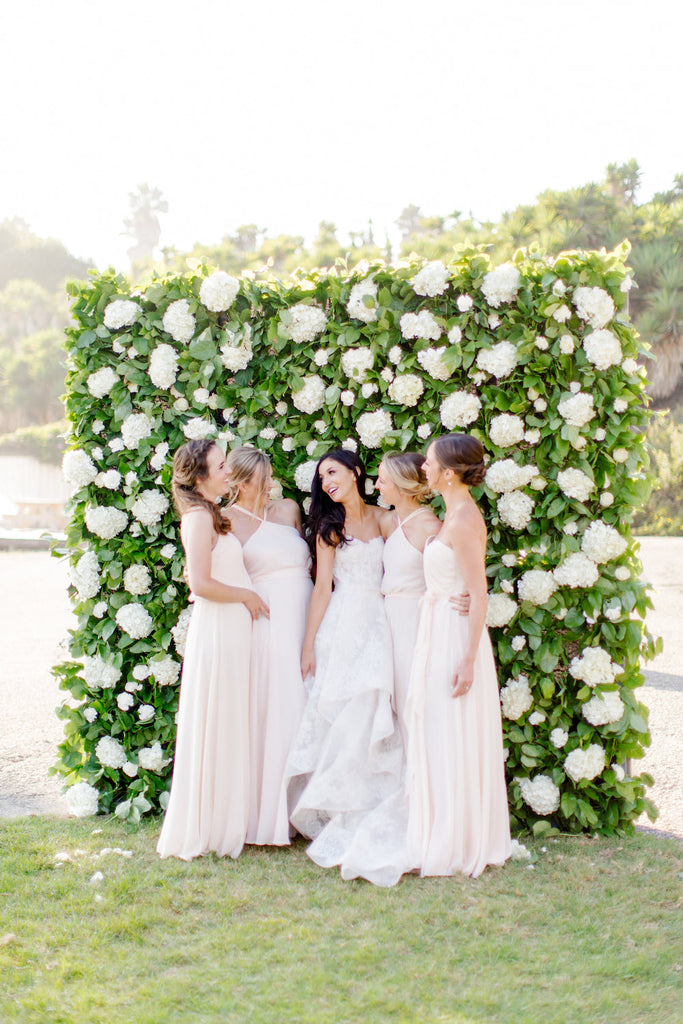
pixel 326 517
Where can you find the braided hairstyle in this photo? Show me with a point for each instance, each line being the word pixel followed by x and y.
pixel 326 517
pixel 463 454
pixel 190 467
pixel 405 471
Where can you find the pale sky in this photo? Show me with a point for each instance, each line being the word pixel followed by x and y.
pixel 285 114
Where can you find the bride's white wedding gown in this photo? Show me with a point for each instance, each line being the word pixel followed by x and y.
pixel 347 762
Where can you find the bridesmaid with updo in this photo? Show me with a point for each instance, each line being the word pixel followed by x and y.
pixel 458 819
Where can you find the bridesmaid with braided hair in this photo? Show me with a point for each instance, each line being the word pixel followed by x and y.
pixel 208 809
pixel 458 818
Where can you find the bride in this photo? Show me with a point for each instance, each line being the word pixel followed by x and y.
pixel 347 762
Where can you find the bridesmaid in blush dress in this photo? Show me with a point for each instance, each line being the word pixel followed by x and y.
pixel 279 566
pixel 208 807
pixel 458 817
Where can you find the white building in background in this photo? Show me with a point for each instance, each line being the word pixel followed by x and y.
pixel 33 494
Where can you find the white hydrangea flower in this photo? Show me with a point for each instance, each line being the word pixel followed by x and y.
pixel 499 361
pixel 130 769
pixel 179 631
pixel 464 303
pixel 99 673
pixel 585 764
pixel 387 374
pixel 420 325
pixel 287 444
pixel 620 454
pixel 424 431
pixel 357 306
pixel 629 366
pixel 372 427
pixel 541 342
pixel 311 396
pixel 236 353
pixel 281 408
pixel 321 357
pixel 303 475
pixel 125 701
pixel 395 354
pixel 219 291
pixel 602 543
pixel 577 570
pixel 431 280
pixel 454 335
pixel 304 323
pixel 516 698
pixel 507 586
pixel 536 586
pixel 150 506
pixel 459 409
pixel 134 429
pixel 594 305
pixel 506 430
pixel 603 708
pixel 268 433
pixel 100 609
pixel 431 361
pixel 85 576
pixel 594 667
pixel 141 672
pixel 151 759
pixel 166 670
pixel 78 468
pixel 620 405
pixel 347 397
pixel 102 381
pixel 575 387
pixel 505 475
pixel 532 436
pixel 179 322
pixel 562 314
pixel 558 738
pixel 181 404
pixel 163 366
pixel 577 410
pixel 518 643
pixel 146 713
pixel 109 479
pixel 540 793
pixel 110 753
pixel 622 573
pixel 600 434
pixel 196 429
pixel 134 620
pixel 200 396
pixel 515 509
pixel 509 559
pixel 120 313
pixel 501 610
pixel 356 362
pixel 105 521
pixel 559 288
pixel 618 771
pixel 602 349
pixel 350 445
pixel 567 344
pixel 606 499
pixel 518 851
pixel 493 321
pixel 406 389
pixel 501 285
pixel 82 799
pixel 369 389
pixel 536 717
pixel 540 405
pixel 575 484
pixel 311 447
pixel 137 579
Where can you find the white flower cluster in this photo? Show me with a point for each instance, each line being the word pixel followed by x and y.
pixel 102 381
pixel 137 579
pixel 135 620
pixel 516 698
pixel 85 576
pixel 219 291
pixel 81 799
pixel 505 475
pixel 196 428
pixel 602 543
pixel 506 430
pixel 356 362
pixel 459 409
pixel 110 753
pixel 602 349
pixel 536 586
pixel 311 396
pixel 305 323
pixel 99 673
pixel 515 509
pixel 159 457
pixel 540 793
pixel 575 484
pixel 303 475
pixel 585 764
pixel 577 570
pixel 78 468
pixel 577 409
pixel 499 361
pixel 558 738
pixel 120 313
pixel 163 366
pixel 603 708
pixel 406 389
pixel 431 361
pixel 420 325
pixel 178 321
pixel 501 284
pixel 105 521
pixel 593 667
pixel 179 631
pixel 109 479
pixel 165 670
pixel 594 305
pixel 431 280
pixel 149 506
pixel 372 427
pixel 357 307
pixel 135 428
pixel 464 303
pixel 501 610
pixel 151 758
pixel 236 354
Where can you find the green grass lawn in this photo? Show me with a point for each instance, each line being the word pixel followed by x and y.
pixel 590 934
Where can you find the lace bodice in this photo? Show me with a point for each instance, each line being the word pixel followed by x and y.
pixel 359 564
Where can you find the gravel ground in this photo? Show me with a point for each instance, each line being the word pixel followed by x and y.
pixel 36 616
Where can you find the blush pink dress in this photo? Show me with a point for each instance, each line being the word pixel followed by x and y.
pixel 458 817
pixel 208 809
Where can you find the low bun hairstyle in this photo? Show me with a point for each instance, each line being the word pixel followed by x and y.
pixel 405 471
pixel 190 467
pixel 464 455
pixel 326 518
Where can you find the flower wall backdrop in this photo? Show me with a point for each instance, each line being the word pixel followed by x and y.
pixel 535 357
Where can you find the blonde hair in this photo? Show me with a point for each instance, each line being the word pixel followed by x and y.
pixel 243 463
pixel 405 471
pixel 190 467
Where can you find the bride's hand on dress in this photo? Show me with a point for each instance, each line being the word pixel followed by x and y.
pixel 461 603
pixel 307 663
pixel 462 680
pixel 256 605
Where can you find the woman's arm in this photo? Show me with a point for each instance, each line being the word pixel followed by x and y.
pixel 467 537
pixel 196 530
pixel 322 591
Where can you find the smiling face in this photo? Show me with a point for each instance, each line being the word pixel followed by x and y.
pixel 215 483
pixel 337 481
pixel 385 485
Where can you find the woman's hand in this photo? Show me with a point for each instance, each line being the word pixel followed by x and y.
pixel 461 603
pixel 256 605
pixel 462 680
pixel 307 662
